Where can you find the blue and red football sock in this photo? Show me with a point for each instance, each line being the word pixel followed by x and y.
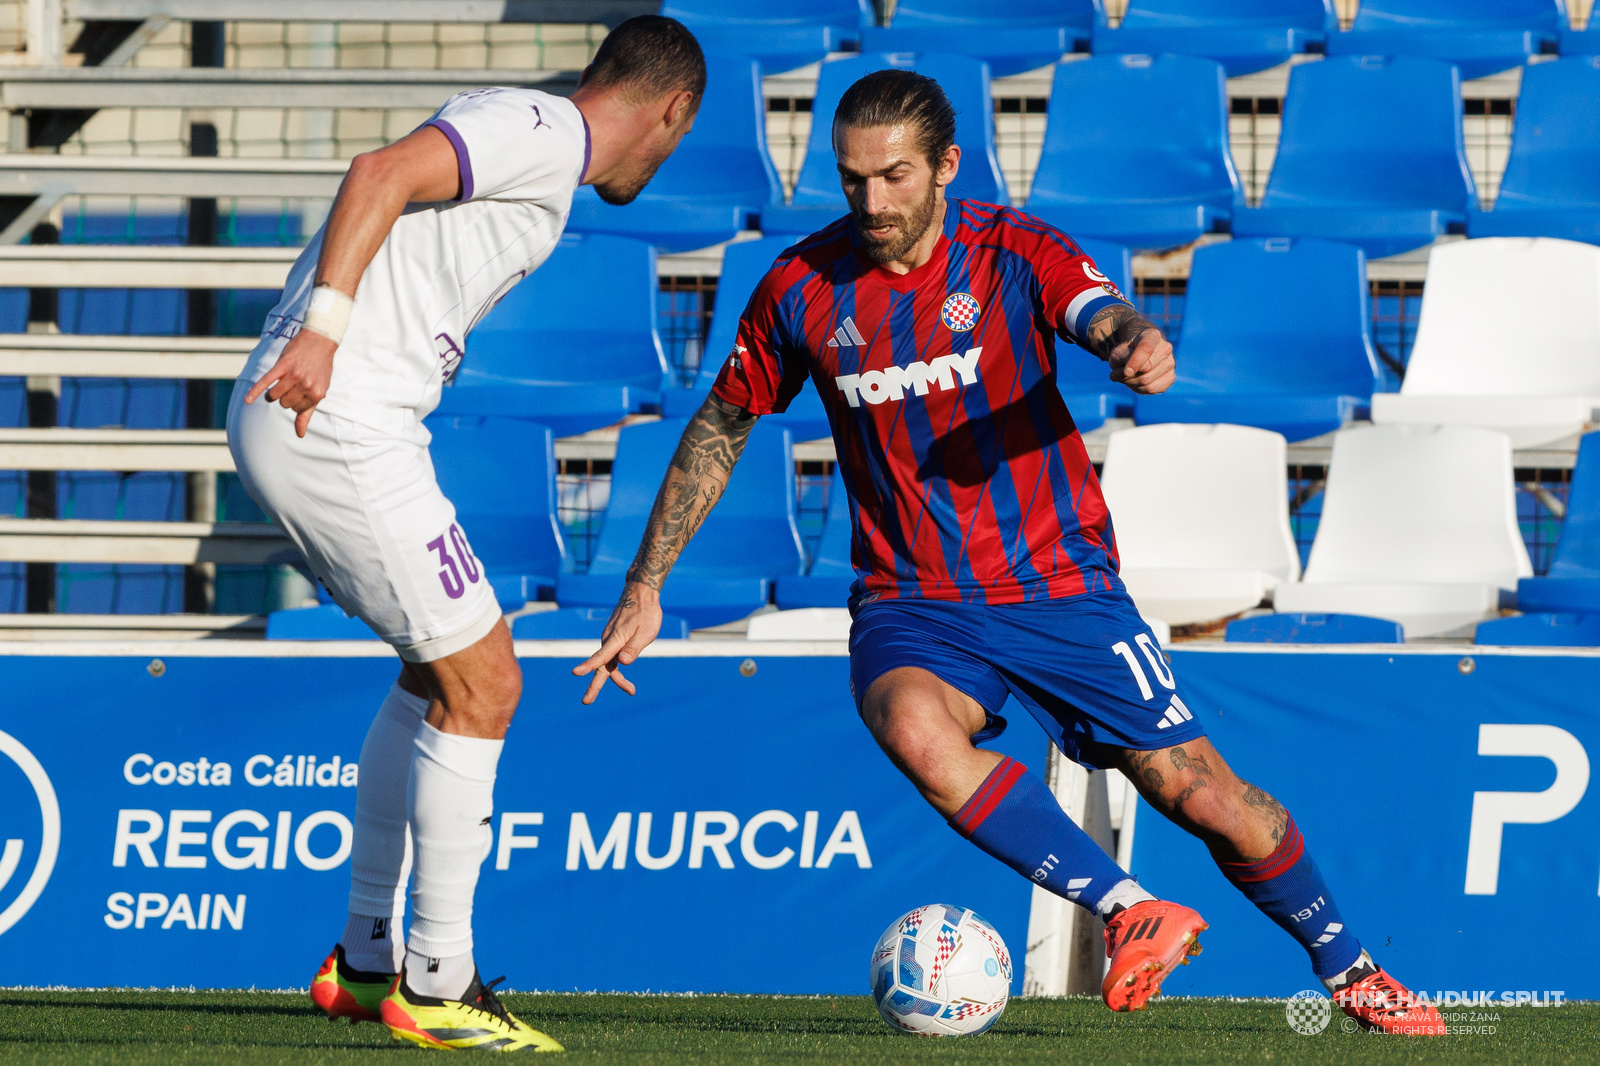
pixel 1288 888
pixel 1014 817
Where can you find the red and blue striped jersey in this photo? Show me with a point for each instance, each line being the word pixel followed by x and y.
pixel 967 477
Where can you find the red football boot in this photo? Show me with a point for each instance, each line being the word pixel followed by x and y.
pixel 343 992
pixel 1144 943
pixel 1382 1004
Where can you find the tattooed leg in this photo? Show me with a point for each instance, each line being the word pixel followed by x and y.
pixel 1192 785
pixel 1253 840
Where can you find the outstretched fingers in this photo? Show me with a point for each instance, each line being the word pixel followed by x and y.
pixel 617 649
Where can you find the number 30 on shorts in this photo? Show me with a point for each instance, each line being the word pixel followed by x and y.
pixel 458 570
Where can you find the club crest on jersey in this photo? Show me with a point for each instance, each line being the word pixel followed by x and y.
pixel 1105 282
pixel 960 312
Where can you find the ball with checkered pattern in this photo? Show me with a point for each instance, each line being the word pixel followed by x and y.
pixel 941 971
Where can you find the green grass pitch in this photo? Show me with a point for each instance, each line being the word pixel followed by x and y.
pixel 48 1027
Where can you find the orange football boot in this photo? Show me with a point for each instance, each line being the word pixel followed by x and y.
pixel 1382 1004
pixel 343 992
pixel 1145 942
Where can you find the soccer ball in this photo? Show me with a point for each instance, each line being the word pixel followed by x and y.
pixel 941 971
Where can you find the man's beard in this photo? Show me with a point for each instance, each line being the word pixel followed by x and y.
pixel 909 229
pixel 624 190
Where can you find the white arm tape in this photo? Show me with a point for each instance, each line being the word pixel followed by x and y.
pixel 328 313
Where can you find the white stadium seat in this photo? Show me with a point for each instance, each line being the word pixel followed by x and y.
pixel 1201 515
pixel 1509 339
pixel 1419 526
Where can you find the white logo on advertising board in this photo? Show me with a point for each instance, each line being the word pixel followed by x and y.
pixel 11 851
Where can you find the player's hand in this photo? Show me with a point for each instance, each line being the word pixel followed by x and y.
pixel 633 625
pixel 1145 364
pixel 299 379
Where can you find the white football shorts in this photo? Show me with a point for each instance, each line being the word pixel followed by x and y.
pixel 365 510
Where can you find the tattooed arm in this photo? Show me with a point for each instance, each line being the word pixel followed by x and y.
pixel 1140 356
pixel 696 477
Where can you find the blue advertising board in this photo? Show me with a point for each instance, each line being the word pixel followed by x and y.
pixel 180 816
pixel 183 818
pixel 1444 794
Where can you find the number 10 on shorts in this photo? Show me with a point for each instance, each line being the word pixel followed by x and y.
pixel 458 570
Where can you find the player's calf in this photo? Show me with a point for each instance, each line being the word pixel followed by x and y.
pixel 1255 843
pixel 450 802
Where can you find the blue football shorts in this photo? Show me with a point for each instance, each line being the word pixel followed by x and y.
pixel 1087 667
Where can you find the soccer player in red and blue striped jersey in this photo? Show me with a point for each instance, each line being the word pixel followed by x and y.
pixel 986 564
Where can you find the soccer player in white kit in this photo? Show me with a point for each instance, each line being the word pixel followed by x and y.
pixel 326 428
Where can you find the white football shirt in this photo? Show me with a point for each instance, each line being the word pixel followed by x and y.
pixel 521 155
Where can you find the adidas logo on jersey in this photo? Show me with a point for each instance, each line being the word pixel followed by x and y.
pixel 847 336
pixel 891 383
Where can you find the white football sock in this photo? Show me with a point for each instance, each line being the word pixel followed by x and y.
pixel 440 978
pixel 450 803
pixel 1124 893
pixel 380 853
pixel 1352 973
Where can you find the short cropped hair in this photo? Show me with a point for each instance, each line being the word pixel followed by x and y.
pixel 892 97
pixel 649 56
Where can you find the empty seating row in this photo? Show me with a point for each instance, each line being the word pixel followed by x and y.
pixel 1418 525
pixel 1370 153
pixel 1481 37
pixel 1276 334
pixel 1418 529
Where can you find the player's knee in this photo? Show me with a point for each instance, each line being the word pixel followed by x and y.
pixel 912 737
pixel 504 690
pixel 483 703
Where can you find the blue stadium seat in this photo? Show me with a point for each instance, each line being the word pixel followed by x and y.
pixel 149 496
pixel 1544 629
pixel 1243 35
pixel 966 82
pixel 779 34
pixel 584 623
pixel 1084 379
pixel 818 200
pixel 1551 187
pixel 716 182
pixel 1315 629
pixel 573 347
pixel 1370 154
pixel 1150 168
pixel 743 266
pixel 1585 42
pixel 325 621
pixel 750 539
pixel 1573 580
pixel 1275 335
pixel 500 474
pixel 1481 37
pixel 1010 35
pixel 827 583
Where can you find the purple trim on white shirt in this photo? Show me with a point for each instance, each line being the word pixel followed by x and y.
pixel 587 147
pixel 463 160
